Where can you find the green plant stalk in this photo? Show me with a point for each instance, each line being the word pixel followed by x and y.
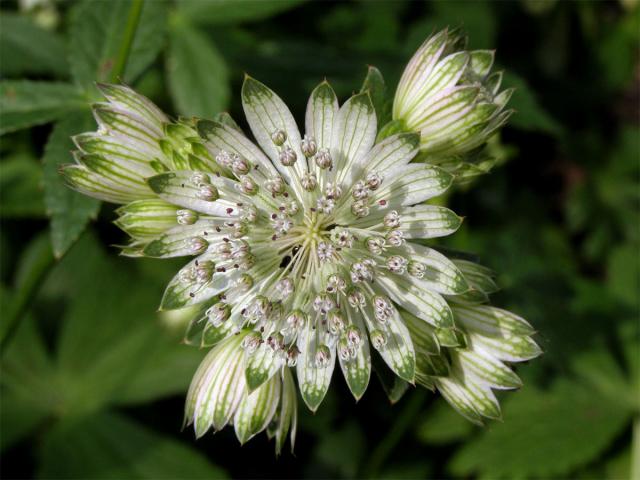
pixel 635 450
pixel 26 290
pixel 127 40
pixel 393 436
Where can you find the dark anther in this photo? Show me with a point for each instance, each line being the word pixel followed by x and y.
pixel 286 260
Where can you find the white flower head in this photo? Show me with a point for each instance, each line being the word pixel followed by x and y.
pixel 307 248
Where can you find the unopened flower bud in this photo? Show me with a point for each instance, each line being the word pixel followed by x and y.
pixel 279 137
pixel 199 178
pixel 323 159
pixel 333 191
pixel 207 192
pixel 397 264
pixel 335 322
pixel 186 217
pixel 378 339
pixel 287 156
pixel 218 313
pixel 354 336
pixel 292 356
pixel 309 181
pixel 360 208
pixel 323 355
pixel 240 166
pixel 295 321
pixel 373 180
pixel 248 186
pixel 395 238
pixel 356 298
pixel 360 190
pixel 223 158
pixel 197 245
pixel 275 342
pixel 308 146
pixel 204 271
pixel 375 245
pixel 416 269
pixel 335 283
pixel 275 185
pixel 344 350
pixel 392 219
pixel 284 288
pixel 251 342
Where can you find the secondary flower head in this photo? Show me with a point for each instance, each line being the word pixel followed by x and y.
pixel 308 252
pixel 450 96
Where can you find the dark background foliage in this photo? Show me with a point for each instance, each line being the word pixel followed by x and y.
pixel 93 380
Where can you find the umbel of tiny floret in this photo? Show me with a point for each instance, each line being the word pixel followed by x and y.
pixel 309 249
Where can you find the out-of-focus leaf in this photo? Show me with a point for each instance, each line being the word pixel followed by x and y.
pixel 108 445
pixel 24 104
pixel 617 52
pixel 25 48
pixel 21 187
pixel 215 12
pixel 406 471
pixel 623 274
pixel 111 348
pixel 476 20
pixel 69 211
pixel 197 73
pixel 443 425
pixel 544 434
pixel 530 115
pixel 342 449
pixel 96 36
pixel 365 26
pixel 166 370
pixel 19 418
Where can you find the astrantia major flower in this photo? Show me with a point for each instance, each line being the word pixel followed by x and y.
pixel 310 247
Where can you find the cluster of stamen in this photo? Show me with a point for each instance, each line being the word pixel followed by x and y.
pixel 287 233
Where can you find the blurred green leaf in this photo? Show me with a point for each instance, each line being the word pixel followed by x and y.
pixel 21 187
pixel 197 73
pixel 342 449
pixel 618 49
pixel 476 19
pixel 25 48
pixel 34 264
pixel 96 34
pixel 406 471
pixel 69 211
pixel 214 12
pixel 544 434
pixel 443 425
pixel 529 114
pixel 18 417
pixel 27 379
pixel 120 354
pixel 24 103
pixel 623 274
pixel 111 446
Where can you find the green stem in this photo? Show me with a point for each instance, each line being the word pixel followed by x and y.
pixel 635 450
pixel 127 40
pixel 40 261
pixel 400 426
